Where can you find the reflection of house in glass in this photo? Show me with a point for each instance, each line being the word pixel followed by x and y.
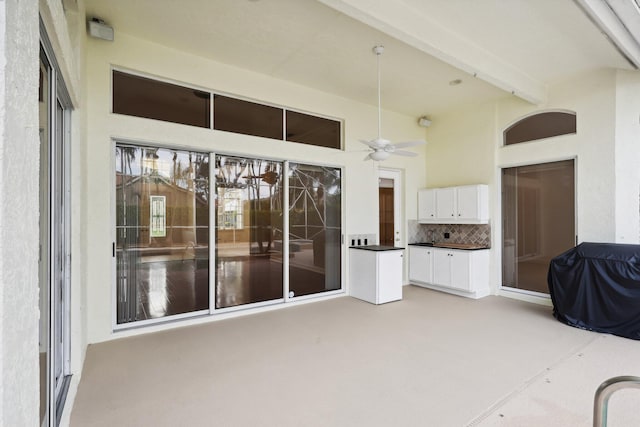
pixel 249 222
pixel 179 215
pixel 162 244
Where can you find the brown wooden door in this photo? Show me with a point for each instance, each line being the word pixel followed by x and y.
pixel 386 216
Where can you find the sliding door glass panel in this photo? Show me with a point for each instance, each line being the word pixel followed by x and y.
pixel 162 224
pixel 538 221
pixel 315 212
pixel 248 231
pixel 45 233
pixel 54 268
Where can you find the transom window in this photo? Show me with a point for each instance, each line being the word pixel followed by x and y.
pixel 144 97
pixel 541 125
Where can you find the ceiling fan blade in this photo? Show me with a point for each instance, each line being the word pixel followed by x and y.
pixel 404 153
pixel 409 144
pixel 372 144
pixel 367 157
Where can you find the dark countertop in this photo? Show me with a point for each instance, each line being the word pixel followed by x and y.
pixel 441 245
pixel 377 248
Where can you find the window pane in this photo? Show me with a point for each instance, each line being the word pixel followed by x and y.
pixel 162 222
pixel 248 231
pixel 247 118
pixel 313 130
pixel 315 215
pixel 152 99
pixel 538 126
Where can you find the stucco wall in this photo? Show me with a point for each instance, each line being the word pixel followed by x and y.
pixel 360 179
pixel 627 157
pixel 465 147
pixel 19 156
pixel 461 147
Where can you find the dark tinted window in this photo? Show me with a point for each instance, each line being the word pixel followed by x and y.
pixel 538 126
pixel 313 130
pixel 142 97
pixel 248 118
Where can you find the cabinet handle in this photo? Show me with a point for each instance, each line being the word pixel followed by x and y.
pixel 452 215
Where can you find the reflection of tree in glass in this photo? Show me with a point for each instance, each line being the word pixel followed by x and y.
pixel 265 213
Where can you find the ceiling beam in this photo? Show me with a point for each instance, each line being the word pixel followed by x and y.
pixel 422 32
pixel 619 20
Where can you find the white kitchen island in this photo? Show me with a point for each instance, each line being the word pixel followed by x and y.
pixel 375 273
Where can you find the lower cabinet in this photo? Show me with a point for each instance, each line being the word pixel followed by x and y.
pixel 463 272
pixel 420 264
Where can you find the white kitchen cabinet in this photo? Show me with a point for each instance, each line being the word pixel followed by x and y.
pixel 421 264
pixel 441 267
pixel 472 203
pixel 452 269
pixel 446 203
pixel 468 204
pixel 426 204
pixel 461 272
pixel 375 273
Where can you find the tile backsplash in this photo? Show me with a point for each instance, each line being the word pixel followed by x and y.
pixel 458 233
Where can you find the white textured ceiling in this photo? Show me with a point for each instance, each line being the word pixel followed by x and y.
pixel 537 42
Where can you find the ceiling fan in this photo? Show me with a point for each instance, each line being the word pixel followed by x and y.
pixel 382 148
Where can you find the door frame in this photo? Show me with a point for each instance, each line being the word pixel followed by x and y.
pixel 398 213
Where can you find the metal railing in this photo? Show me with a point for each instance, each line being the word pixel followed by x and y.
pixel 604 392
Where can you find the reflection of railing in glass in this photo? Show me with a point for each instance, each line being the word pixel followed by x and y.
pixel 314 229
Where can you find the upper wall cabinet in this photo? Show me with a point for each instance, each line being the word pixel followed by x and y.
pixel 468 204
pixel 427 204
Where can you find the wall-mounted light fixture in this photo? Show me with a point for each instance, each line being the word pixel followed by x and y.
pixel 99 29
pixel 424 122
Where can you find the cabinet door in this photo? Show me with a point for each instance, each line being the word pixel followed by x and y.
pixel 420 264
pixel 441 267
pixel 460 269
pixel 389 276
pixel 426 204
pixel 468 202
pixel 445 203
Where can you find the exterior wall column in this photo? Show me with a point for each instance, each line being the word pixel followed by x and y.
pixel 19 213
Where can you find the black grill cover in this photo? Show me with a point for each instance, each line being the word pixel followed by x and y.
pixel 596 286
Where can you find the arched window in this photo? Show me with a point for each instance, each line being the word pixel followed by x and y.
pixel 539 126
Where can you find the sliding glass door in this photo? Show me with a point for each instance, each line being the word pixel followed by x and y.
pixel 162 232
pixel 55 247
pixel 249 267
pixel 315 232
pixel 163 212
pixel 538 221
